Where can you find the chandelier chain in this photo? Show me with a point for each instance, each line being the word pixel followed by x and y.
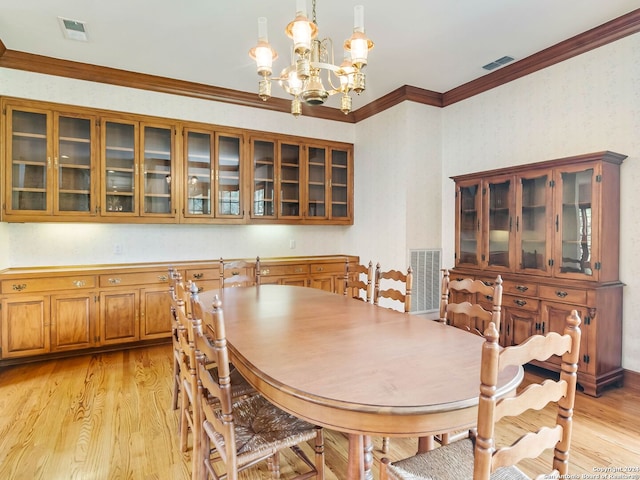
pixel 313 11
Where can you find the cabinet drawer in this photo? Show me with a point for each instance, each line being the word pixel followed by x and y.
pixel 327 268
pixel 520 288
pixel 48 284
pixel 521 302
pixel 143 278
pixel 283 270
pixel 560 293
pixel 203 274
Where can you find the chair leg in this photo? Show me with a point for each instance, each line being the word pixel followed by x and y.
pixel 319 453
pixel 385 444
pixel 384 461
pixel 184 423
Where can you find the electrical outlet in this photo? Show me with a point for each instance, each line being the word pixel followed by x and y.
pixel 117 249
pixel 292 244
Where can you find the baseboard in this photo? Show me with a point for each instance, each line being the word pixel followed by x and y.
pixel 632 379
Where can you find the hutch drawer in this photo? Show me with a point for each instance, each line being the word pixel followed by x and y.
pixel 142 278
pixel 562 293
pixel 45 284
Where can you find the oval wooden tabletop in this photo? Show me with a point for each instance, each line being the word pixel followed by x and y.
pixel 319 354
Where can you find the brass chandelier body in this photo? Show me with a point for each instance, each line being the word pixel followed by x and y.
pixel 313 63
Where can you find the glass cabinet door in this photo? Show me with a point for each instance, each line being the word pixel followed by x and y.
pixel 120 168
pixel 228 178
pixel 317 183
pixel 573 223
pixel 289 180
pixel 499 208
pixel 198 155
pixel 73 158
pixel 533 215
pixel 157 162
pixel 340 184
pixel 263 175
pixel 29 152
pixel 469 202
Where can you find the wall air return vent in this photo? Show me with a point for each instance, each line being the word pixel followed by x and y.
pixel 425 296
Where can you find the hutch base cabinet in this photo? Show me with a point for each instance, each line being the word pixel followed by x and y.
pixel 60 311
pixel 551 231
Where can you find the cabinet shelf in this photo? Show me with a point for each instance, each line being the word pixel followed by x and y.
pixel 29 190
pixel 75 166
pixel 76 192
pixel 75 139
pixel 40 136
pixel 32 163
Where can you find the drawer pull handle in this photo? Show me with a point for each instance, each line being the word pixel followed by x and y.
pixel 79 283
pixel 522 288
pixel 18 287
pixel 520 303
pixel 198 276
pixel 487 283
pixel 266 271
pixel 489 297
pixel 114 281
pixel 320 269
pixel 298 270
pixel 561 294
pixel 235 273
pixel 163 278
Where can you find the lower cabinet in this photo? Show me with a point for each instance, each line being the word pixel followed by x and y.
pixel 61 311
pixel 532 305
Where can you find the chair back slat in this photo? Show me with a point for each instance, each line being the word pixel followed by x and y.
pixel 487 456
pixel 395 279
pixel 358 281
pixel 239 273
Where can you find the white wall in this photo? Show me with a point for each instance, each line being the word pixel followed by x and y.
pixel 397 184
pixel 586 104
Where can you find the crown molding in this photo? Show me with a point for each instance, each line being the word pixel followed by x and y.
pixel 94 73
pixel 596 37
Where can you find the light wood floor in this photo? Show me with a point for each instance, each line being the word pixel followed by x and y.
pixel 109 416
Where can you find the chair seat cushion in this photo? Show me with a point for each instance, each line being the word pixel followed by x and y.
pixel 449 462
pixel 262 427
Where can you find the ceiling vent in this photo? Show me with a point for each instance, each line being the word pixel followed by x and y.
pixel 498 63
pixel 73 29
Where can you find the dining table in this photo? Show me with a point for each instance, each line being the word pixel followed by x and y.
pixel 354 367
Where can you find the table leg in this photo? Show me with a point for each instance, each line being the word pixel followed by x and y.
pixel 426 444
pixel 360 458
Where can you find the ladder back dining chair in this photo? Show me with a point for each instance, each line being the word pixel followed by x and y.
pixel 242 432
pixel 481 458
pixel 358 281
pixel 397 286
pixel 239 273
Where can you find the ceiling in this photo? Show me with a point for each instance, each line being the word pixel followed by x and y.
pixel 436 45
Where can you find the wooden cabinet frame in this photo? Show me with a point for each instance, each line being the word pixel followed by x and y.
pixel 538 295
pixel 133 181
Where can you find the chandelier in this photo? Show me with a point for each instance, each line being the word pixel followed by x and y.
pixel 313 76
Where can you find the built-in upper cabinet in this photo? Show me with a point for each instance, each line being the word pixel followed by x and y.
pixel 295 181
pixel 137 169
pixel 543 219
pixel 50 160
pixel 64 163
pixel 212 183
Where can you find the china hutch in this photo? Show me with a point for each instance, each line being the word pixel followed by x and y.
pixel 76 164
pixel 551 231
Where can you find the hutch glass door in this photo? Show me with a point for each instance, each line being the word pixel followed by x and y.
pixel 339 183
pixel 574 223
pixel 531 224
pixel 157 151
pixel 468 231
pixel 499 216
pixel 120 167
pixel 317 183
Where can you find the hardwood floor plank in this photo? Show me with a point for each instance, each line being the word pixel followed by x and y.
pixel 109 416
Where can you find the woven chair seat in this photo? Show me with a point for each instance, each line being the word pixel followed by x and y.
pixel 450 462
pixel 262 429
